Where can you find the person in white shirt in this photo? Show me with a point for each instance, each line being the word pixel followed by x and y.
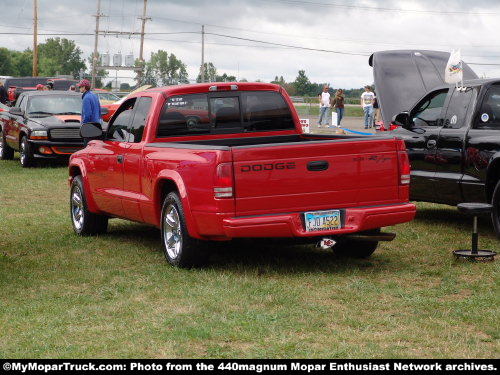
pixel 324 106
pixel 367 99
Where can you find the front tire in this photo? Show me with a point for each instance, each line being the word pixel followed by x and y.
pixel 357 248
pixel 6 153
pixel 85 223
pixel 26 153
pixel 179 248
pixel 495 215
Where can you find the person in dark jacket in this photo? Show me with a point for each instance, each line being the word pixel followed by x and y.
pixel 91 107
pixel 4 99
pixel 338 104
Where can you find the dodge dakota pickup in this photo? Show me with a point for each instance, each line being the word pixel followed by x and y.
pixel 213 162
pixel 452 133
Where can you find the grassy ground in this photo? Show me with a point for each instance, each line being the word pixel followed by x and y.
pixel 115 296
pixel 313 110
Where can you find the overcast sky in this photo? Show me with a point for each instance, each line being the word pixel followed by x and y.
pixel 348 26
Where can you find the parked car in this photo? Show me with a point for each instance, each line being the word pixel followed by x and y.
pixel 105 97
pixel 16 85
pixel 41 125
pixel 452 134
pixel 242 169
pixel 111 108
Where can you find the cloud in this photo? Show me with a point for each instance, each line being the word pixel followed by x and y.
pixel 355 30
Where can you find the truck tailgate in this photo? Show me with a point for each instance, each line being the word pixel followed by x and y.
pixel 315 175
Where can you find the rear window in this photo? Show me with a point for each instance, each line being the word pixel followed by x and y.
pixel 248 111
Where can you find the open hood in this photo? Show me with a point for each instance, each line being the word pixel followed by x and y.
pixel 404 76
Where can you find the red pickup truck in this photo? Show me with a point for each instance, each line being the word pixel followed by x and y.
pixel 212 162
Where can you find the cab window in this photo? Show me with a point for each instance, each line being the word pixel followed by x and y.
pixel 456 113
pixel 139 121
pixel 489 114
pixel 118 129
pixel 428 111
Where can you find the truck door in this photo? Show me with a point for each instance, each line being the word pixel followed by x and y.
pixel 427 117
pixel 14 124
pixel 481 144
pixel 107 158
pixel 450 147
pixel 133 171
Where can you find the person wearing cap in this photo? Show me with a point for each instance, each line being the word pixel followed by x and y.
pixel 91 107
pixel 50 85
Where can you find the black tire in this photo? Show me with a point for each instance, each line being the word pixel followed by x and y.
pixel 26 153
pixel 179 248
pixel 356 248
pixel 85 223
pixel 6 153
pixel 495 215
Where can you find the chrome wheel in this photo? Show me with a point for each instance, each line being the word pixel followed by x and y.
pixel 22 153
pixel 77 214
pixel 172 232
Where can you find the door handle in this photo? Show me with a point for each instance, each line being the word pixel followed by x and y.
pixel 120 159
pixel 431 144
pixel 320 165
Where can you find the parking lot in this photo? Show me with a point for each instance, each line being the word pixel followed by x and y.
pixel 115 295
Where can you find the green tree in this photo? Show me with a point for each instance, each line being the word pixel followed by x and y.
pixel 60 56
pixel 15 63
pixel 210 73
pixel 6 64
pixel 23 62
pixel 225 78
pixel 164 69
pixel 302 84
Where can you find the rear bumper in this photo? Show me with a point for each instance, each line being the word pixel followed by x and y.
pixel 292 225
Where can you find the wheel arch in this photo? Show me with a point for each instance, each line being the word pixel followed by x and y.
pixel 170 181
pixel 492 176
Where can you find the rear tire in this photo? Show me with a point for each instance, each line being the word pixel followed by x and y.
pixel 179 248
pixel 85 223
pixel 26 153
pixel 6 153
pixel 495 215
pixel 356 248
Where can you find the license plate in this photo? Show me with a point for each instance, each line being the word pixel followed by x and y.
pixel 322 220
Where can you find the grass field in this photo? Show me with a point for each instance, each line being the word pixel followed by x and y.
pixel 313 110
pixel 115 296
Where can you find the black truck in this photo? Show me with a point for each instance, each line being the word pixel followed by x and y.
pixel 452 132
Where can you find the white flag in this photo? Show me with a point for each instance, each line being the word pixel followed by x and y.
pixel 454 71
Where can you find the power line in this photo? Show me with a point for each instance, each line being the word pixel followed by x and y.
pixel 291 46
pixel 384 9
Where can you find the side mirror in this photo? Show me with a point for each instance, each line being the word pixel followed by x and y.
pixel 91 130
pixel 104 111
pixel 402 119
pixel 16 111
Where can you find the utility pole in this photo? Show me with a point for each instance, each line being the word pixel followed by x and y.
pixel 141 50
pixel 35 38
pixel 202 53
pixel 94 57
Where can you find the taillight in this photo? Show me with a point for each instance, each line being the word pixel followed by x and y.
pixel 404 163
pixel 223 184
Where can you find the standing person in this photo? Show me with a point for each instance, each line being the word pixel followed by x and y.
pixel 91 107
pixel 324 106
pixel 367 104
pixel 338 104
pixel 376 108
pixel 4 98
